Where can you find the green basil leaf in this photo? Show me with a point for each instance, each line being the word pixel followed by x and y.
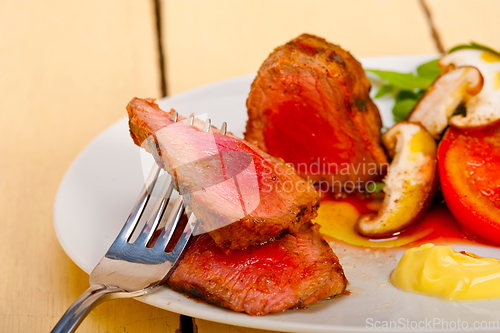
pixel 429 69
pixel 473 45
pixel 406 81
pixel 402 108
pixel 420 94
pixel 375 187
pixel 406 94
pixel 385 89
pixel 379 187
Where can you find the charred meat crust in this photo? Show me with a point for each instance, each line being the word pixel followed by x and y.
pixel 289 272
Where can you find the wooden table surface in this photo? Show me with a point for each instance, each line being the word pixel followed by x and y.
pixel 68 68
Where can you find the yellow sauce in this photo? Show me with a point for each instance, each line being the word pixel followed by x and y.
pixel 490 56
pixel 338 220
pixel 440 271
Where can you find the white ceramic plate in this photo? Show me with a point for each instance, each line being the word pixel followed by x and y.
pixel 102 184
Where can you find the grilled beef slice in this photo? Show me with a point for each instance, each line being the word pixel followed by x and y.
pixel 241 195
pixel 309 105
pixel 289 272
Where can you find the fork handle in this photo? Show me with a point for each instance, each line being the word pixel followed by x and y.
pixel 96 294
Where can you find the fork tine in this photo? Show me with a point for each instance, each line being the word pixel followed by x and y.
pixel 191 119
pixel 171 224
pixel 176 214
pixel 138 209
pixel 207 125
pixel 174 117
pixel 140 204
pixel 183 241
pixel 223 129
pixel 156 214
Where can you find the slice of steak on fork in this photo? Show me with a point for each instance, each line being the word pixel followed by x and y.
pixel 241 195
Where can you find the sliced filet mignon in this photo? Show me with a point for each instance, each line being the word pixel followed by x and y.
pixel 289 272
pixel 240 194
pixel 310 105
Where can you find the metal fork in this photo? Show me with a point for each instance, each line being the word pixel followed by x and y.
pixel 133 269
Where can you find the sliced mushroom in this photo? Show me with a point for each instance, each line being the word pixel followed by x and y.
pixel 484 108
pixel 443 97
pixel 409 184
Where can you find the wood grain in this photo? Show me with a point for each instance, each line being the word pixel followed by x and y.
pixel 208 41
pixel 462 21
pixel 67 70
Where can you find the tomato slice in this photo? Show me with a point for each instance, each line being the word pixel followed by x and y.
pixel 469 172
